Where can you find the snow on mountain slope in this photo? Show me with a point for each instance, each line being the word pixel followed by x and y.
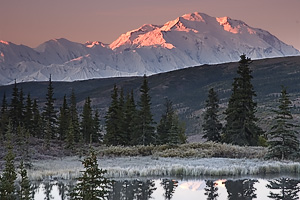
pixel 192 39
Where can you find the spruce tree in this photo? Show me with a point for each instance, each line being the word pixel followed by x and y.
pixel 145 128
pixel 21 107
pixel 74 117
pixel 4 115
pixel 169 129
pixel 49 113
pixel 92 184
pixel 28 114
pixel 97 136
pixel 122 126
pixel 112 136
pixel 87 121
pixel 9 175
pixel 14 105
pixel 37 124
pixel 130 118
pixel 241 127
pixel 283 140
pixel 211 126
pixel 47 136
pixel 63 120
pixel 70 139
pixel 24 192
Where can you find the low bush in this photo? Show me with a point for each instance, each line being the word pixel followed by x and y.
pixel 197 150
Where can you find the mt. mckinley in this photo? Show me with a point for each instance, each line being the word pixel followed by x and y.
pixel 190 40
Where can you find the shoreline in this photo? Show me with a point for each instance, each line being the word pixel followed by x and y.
pixel 147 166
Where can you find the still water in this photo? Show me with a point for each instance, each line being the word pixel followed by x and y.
pixel 181 189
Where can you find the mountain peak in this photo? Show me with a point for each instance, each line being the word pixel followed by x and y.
pixel 196 16
pixel 190 40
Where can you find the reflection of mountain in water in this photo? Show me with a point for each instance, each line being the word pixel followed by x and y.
pixel 135 189
pixel 192 185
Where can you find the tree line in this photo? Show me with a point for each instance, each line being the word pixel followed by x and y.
pixel 126 122
pixel 241 127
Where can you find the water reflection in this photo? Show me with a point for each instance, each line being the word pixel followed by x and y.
pixel 241 189
pixel 171 189
pixel 134 189
pixel 211 190
pixel 284 188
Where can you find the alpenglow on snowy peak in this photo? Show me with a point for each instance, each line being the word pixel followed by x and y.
pixel 190 40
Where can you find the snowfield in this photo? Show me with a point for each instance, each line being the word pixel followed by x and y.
pixel 128 167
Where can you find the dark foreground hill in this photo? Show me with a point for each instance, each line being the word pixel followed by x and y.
pixel 187 88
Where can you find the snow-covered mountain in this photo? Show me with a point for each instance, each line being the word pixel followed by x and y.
pixel 192 39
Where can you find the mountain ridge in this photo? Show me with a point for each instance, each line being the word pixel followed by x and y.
pixel 186 88
pixel 190 40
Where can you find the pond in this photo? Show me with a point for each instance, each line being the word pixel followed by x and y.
pixel 184 188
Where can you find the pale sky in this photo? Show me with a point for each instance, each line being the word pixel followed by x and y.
pixel 32 22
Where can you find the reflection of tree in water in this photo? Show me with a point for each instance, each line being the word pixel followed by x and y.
pixel 47 190
pixel 288 188
pixel 34 188
pixel 62 190
pixel 135 189
pixel 211 190
pixel 241 189
pixel 169 187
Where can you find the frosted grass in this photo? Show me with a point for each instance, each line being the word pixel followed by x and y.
pixel 128 167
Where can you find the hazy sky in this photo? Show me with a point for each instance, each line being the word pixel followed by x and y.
pixel 31 22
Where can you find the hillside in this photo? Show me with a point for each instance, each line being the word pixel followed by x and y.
pixel 187 88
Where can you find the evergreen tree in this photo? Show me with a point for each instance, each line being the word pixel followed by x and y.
pixel 4 115
pixel 97 136
pixel 122 126
pixel 211 126
pixel 283 141
pixel 47 136
pixel 21 108
pixel 14 105
pixel 74 117
pixel 9 176
pixel 92 184
pixel 63 120
pixel 37 124
pixel 49 113
pixel 70 139
pixel 130 118
pixel 241 128
pixel 145 128
pixel 24 192
pixel 112 136
pixel 87 122
pixel 28 114
pixel 169 130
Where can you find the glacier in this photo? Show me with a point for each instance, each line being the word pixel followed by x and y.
pixel 131 167
pixel 190 40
